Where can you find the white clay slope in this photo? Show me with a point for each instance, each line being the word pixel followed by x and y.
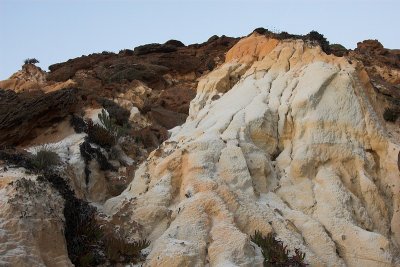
pixel 282 138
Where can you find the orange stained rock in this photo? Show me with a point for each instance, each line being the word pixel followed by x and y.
pixel 251 48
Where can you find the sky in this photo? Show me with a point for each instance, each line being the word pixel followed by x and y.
pixel 54 31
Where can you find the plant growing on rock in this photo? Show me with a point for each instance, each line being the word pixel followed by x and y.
pixel 275 253
pixel 111 126
pixel 31 61
pixel 99 135
pixel 319 38
pixel 82 233
pixel 338 50
pixel 119 114
pixel 45 159
pixel 106 134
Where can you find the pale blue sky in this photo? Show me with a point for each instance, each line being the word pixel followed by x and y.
pixel 57 30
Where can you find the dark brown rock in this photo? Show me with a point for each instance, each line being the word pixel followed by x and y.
pixel 176 99
pixel 64 71
pixel 383 68
pixel 151 136
pixel 21 113
pixel 167 118
pixel 171 67
pixel 372 52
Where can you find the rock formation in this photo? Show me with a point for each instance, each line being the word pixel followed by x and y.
pixel 158 81
pixel 292 145
pixel 280 137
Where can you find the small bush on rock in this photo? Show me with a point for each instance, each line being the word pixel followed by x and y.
pixel 338 47
pixel 115 111
pixel 31 61
pixel 261 30
pixel 105 134
pixel 45 159
pixel 338 50
pixel 99 135
pixel 313 36
pixel 275 253
pixel 111 126
pixel 320 39
pixel 284 35
pixel 126 52
pixel 82 233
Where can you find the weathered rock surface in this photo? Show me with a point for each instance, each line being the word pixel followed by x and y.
pixel 292 144
pixel 30 77
pixel 152 77
pixel 31 222
pixel 279 137
pixel 33 78
pixel 24 115
pixel 381 69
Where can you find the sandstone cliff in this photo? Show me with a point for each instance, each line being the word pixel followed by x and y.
pixel 291 145
pixel 280 137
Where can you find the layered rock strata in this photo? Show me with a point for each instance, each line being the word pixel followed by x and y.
pixel 158 80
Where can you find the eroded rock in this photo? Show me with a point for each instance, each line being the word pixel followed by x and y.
pixel 292 145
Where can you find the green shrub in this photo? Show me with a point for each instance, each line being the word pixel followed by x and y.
pixel 275 253
pixel 320 39
pixel 126 52
pixel 284 35
pixel 261 30
pixel 82 233
pixel 337 47
pixel 99 135
pixel 338 50
pixel 105 134
pixel 31 61
pixel 111 126
pixel 119 114
pixel 45 159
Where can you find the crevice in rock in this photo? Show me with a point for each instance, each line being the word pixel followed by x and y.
pixel 337 246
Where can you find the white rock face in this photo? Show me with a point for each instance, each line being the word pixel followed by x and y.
pixel 31 222
pixel 291 145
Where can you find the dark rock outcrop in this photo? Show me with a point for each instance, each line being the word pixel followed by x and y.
pixel 383 68
pixel 154 48
pixel 170 70
pixel 21 114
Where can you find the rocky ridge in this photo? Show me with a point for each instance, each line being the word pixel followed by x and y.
pixel 159 80
pixel 280 137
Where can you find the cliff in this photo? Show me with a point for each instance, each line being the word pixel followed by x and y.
pixel 281 136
